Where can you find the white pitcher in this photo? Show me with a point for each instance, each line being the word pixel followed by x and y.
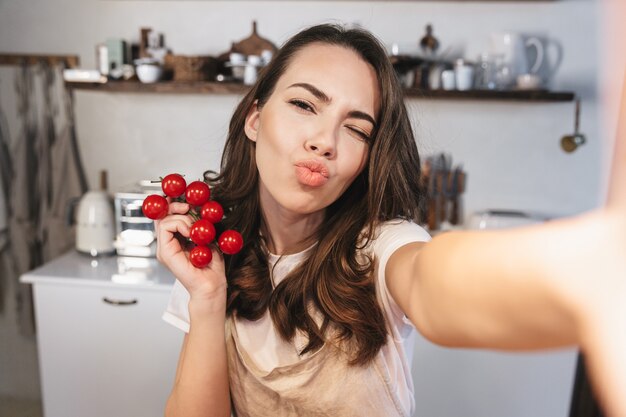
pixel 513 48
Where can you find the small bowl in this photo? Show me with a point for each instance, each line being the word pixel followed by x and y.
pixel 529 82
pixel 149 73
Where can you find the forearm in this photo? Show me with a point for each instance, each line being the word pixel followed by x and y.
pixel 202 387
pixel 494 289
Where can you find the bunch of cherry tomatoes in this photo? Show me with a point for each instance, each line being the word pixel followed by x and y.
pixel 204 211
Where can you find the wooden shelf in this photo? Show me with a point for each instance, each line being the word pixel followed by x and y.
pixel 205 87
pixel 513 95
pixel 70 61
pixel 196 87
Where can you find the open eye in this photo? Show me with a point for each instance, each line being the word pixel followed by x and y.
pixel 302 105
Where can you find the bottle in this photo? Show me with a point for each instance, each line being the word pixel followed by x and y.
pixel 429 43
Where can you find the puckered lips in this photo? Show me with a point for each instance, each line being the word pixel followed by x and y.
pixel 311 173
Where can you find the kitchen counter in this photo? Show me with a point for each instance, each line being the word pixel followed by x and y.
pixel 111 271
pixel 103 348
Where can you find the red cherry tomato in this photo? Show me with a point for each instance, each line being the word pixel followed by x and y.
pixel 154 207
pixel 197 193
pixel 230 242
pixel 212 211
pixel 173 185
pixel 202 232
pixel 200 256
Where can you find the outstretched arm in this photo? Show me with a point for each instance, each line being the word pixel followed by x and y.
pixel 481 289
pixel 605 347
pixel 556 284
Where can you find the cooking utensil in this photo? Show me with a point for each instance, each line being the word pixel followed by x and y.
pixel 254 44
pixel 569 143
pixel 456 189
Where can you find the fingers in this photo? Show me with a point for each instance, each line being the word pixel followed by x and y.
pixel 166 230
pixel 175 223
pixel 617 183
pixel 217 264
pixel 178 208
pixel 173 208
pixel 613 12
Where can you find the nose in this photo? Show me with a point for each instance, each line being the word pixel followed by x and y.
pixel 323 143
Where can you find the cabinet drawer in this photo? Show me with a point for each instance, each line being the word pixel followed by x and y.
pixel 104 351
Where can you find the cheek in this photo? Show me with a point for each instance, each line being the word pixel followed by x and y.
pixel 266 143
pixel 358 153
pixel 277 131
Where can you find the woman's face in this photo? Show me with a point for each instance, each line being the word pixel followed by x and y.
pixel 312 134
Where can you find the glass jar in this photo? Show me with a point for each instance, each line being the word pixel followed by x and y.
pixel 486 72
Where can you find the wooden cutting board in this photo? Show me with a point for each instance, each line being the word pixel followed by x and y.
pixel 253 44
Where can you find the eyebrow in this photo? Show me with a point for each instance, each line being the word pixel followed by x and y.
pixel 320 95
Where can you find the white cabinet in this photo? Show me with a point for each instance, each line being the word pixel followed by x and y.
pixel 103 348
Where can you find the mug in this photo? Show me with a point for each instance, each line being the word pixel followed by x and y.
pixel 464 77
pixel 448 81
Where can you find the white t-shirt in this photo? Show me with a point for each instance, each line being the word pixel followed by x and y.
pixel 261 340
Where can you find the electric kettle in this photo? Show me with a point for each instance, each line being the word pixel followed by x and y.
pixel 95 222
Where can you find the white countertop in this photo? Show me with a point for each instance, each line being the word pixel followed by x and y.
pixel 117 271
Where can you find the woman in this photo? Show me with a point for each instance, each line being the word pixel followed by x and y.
pixel 316 315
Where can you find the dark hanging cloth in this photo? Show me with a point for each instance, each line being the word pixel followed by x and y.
pixel 47 175
pixel 61 175
pixel 25 250
pixel 6 173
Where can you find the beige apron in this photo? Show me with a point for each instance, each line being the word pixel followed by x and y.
pixel 322 384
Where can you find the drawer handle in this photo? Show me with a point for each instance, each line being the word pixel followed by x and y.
pixel 119 302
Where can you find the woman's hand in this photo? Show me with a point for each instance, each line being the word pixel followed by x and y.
pixel 172 231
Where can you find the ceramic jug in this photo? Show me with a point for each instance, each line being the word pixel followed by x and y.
pixel 513 47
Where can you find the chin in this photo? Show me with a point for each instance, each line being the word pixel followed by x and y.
pixel 302 208
pixel 303 203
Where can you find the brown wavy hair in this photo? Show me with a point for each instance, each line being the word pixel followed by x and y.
pixel 334 279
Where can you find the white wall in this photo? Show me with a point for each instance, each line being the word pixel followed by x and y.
pixel 510 150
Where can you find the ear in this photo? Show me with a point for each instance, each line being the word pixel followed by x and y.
pixel 251 126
